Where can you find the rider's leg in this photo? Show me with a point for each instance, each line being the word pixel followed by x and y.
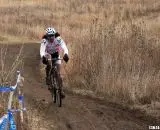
pixel 45 62
pixel 48 69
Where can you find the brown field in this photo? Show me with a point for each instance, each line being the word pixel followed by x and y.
pixel 113 44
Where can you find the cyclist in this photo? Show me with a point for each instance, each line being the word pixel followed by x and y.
pixel 51 45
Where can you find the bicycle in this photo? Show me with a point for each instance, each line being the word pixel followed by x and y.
pixel 56 83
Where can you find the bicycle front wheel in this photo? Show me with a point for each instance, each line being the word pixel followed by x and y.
pixel 59 97
pixel 53 89
pixel 56 89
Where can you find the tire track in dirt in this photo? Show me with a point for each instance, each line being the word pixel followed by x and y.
pixel 78 112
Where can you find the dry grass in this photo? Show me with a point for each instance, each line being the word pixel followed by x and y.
pixel 114 43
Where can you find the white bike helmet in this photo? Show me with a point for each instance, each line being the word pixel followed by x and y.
pixel 50 31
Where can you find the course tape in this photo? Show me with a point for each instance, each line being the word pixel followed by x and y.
pixel 7 88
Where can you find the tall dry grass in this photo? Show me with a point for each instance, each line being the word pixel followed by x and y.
pixel 114 45
pixel 124 68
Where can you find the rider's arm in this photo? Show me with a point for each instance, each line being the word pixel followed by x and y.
pixel 62 44
pixel 43 47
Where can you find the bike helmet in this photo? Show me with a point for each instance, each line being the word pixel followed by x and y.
pixel 50 31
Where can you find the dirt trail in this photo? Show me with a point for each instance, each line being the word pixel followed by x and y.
pixel 77 113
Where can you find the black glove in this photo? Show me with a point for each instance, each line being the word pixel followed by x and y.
pixel 65 58
pixel 44 60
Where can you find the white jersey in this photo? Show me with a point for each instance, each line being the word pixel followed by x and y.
pixel 53 47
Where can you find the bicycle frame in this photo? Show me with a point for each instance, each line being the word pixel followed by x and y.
pixel 54 67
pixel 55 90
pixel 7 120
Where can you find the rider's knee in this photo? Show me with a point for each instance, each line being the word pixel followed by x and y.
pixel 44 61
pixel 48 67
